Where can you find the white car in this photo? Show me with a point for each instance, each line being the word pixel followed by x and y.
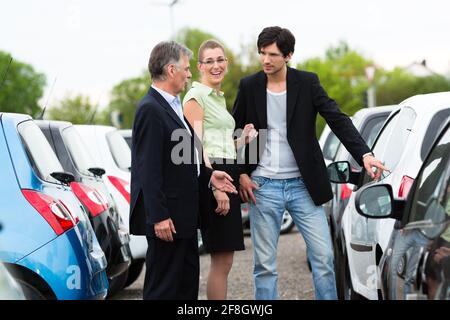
pixel 111 152
pixel 402 145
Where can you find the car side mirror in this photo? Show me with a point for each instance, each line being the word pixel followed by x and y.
pixel 63 177
pixel 98 172
pixel 339 172
pixel 376 201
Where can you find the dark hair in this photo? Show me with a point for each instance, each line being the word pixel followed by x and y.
pixel 282 37
pixel 209 44
pixel 164 53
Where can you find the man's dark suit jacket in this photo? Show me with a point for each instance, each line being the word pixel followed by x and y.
pixel 160 188
pixel 305 98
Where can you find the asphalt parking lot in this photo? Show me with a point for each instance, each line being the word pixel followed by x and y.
pixel 294 282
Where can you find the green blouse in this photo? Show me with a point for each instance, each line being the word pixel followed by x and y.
pixel 218 124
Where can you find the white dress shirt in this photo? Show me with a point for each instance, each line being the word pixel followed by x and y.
pixel 175 103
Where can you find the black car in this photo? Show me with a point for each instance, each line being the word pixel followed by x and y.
pixel 93 194
pixel 416 263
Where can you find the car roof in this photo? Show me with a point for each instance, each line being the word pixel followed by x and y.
pixel 368 111
pixel 95 127
pixel 430 101
pixel 14 117
pixel 125 132
pixel 54 123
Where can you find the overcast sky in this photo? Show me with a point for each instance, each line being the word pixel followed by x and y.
pixel 91 45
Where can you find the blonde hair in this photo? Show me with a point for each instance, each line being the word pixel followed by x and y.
pixel 209 44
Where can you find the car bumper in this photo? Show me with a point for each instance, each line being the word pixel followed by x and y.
pixel 63 265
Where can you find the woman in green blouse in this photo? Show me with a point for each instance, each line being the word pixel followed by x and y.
pixel 205 109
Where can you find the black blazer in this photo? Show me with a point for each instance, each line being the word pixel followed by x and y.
pixel 305 98
pixel 160 188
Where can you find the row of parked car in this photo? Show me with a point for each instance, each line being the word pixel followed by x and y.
pixel 64 208
pixel 391 237
pixel 64 196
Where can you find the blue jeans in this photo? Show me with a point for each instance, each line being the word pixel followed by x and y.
pixel 272 198
pixel 407 243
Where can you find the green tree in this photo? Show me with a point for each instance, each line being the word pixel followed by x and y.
pixel 77 109
pixel 342 74
pixel 21 86
pixel 398 84
pixel 126 95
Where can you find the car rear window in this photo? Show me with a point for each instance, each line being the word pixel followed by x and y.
pixel 80 156
pixel 331 146
pixel 120 150
pixel 128 140
pixel 369 132
pixel 39 152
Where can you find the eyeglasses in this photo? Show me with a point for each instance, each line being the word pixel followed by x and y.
pixel 210 62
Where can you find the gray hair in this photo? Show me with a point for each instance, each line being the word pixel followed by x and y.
pixel 163 54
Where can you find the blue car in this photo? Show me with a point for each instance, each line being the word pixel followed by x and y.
pixel 47 242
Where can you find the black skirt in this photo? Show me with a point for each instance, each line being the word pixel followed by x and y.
pixel 224 233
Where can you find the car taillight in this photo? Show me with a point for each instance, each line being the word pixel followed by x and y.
pixel 53 211
pixel 346 191
pixel 405 186
pixel 90 197
pixel 122 186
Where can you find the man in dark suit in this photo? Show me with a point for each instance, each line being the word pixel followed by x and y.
pixel 286 164
pixel 166 178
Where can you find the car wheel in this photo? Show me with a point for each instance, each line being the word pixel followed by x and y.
pixel 287 223
pixel 134 271
pixel 117 283
pixel 29 291
pixel 401 267
pixel 339 270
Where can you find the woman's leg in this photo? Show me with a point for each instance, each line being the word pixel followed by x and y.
pixel 221 262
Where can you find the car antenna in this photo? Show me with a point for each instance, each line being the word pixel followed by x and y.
pixel 6 72
pixel 94 113
pixel 41 117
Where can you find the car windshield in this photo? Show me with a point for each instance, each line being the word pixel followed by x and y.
pixel 39 151
pixel 120 150
pixel 80 156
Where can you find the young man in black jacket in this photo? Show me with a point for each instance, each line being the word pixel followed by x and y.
pixel 284 168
